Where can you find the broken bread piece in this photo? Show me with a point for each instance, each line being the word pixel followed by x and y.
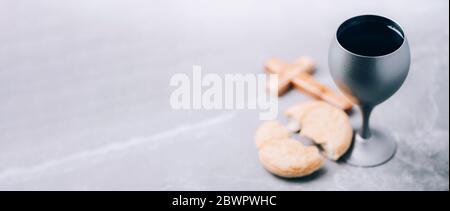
pixel 329 127
pixel 270 130
pixel 289 158
pixel 297 112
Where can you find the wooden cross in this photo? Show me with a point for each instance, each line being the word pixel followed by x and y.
pixel 299 75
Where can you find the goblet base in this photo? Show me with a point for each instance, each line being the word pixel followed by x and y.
pixel 376 150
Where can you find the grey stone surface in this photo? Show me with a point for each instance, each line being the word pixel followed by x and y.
pixel 84 93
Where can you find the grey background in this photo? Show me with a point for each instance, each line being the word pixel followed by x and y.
pixel 84 93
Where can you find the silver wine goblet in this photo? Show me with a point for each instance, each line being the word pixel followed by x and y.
pixel 369 60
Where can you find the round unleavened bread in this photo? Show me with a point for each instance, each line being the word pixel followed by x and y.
pixel 329 127
pixel 289 158
pixel 297 112
pixel 269 131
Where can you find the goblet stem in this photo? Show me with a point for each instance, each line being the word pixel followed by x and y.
pixel 365 132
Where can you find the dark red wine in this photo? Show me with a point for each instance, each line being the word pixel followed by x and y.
pixel 370 38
